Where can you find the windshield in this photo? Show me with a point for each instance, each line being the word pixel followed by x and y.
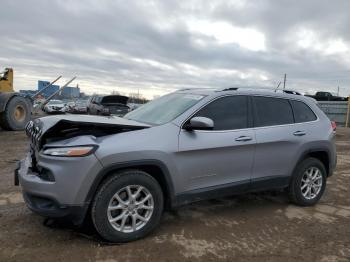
pixel 164 109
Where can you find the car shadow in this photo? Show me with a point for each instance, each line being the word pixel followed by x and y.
pixel 248 201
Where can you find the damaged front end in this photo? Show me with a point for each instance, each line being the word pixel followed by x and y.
pixel 50 129
pixel 51 172
pixel 51 175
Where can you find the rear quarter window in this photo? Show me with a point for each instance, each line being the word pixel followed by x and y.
pixel 302 112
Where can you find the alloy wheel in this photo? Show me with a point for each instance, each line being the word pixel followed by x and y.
pixel 311 183
pixel 130 208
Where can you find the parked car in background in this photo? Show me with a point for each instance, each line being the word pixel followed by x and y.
pixel 68 106
pixel 327 96
pixel 108 105
pixel 186 146
pixel 55 107
pixel 78 107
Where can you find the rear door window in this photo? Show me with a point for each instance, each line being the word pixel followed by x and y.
pixel 271 111
pixel 302 112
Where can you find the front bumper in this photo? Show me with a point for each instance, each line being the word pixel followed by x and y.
pixel 50 208
pixel 64 196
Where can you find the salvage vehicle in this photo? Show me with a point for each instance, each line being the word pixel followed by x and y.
pixel 69 106
pixel 186 146
pixel 79 107
pixel 55 106
pixel 108 105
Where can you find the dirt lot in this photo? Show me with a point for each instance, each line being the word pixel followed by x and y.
pixel 254 227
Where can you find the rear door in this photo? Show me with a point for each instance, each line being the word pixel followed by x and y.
pixel 277 145
pixel 223 156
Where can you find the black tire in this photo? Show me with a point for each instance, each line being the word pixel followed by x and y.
pixel 295 192
pixel 9 120
pixel 109 188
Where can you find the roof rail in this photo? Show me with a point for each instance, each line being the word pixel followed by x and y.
pixel 185 89
pixel 229 89
pixel 292 92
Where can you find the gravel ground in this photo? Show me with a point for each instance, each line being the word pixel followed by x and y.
pixel 253 227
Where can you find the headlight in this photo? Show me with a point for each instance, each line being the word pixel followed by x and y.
pixel 70 151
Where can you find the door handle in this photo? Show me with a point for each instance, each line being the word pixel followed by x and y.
pixel 243 138
pixel 299 133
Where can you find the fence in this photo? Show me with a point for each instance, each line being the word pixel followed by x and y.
pixel 337 111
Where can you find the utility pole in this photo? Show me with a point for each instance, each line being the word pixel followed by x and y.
pixel 347 114
pixel 284 82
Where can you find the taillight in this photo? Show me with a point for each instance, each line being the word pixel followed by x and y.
pixel 334 125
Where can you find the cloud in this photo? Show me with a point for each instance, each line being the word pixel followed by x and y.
pixel 159 46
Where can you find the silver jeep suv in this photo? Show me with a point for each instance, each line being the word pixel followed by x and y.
pixel 185 146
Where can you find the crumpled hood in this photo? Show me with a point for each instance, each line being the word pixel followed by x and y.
pixel 54 128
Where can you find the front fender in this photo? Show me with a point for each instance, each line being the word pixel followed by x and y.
pixel 133 164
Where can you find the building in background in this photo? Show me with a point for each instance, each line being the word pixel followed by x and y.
pixel 52 89
pixel 70 92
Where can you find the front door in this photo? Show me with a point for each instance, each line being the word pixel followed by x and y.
pixel 222 156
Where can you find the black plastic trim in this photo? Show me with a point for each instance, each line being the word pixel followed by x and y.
pixel 318 149
pixel 48 207
pixel 269 183
pixel 133 164
pixel 245 186
pixel 211 192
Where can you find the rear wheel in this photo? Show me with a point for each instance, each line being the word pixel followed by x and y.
pixel 127 206
pixel 16 115
pixel 308 182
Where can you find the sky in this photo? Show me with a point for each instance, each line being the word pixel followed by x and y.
pixel 156 47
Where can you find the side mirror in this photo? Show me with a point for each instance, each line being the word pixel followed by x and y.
pixel 199 123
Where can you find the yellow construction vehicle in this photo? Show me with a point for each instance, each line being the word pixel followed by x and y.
pixel 15 109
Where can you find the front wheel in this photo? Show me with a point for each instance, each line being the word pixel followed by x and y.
pixel 308 182
pixel 127 206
